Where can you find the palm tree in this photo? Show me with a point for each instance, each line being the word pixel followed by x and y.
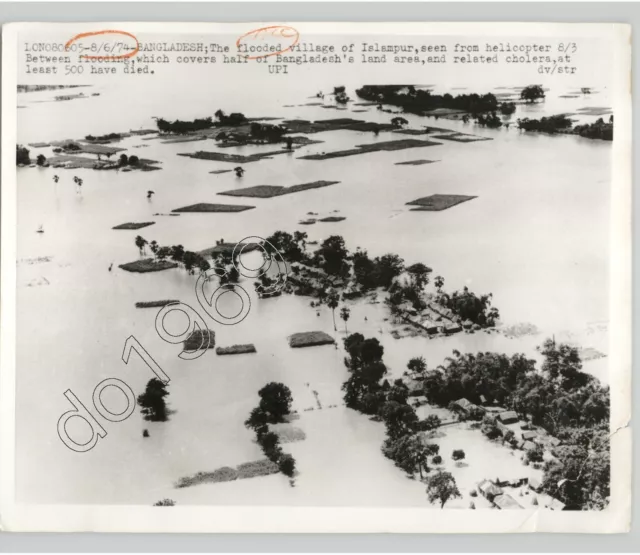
pixel 439 282
pixel 332 303
pixel 140 243
pixel 344 314
pixel 55 178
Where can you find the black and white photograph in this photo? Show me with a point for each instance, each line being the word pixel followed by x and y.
pixel 316 277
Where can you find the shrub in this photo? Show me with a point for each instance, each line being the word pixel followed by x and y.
pixel 41 160
pixel 473 493
pixel 165 503
pixel 287 465
pixel 145 433
pixel 134 160
pixel 437 459
pixel 457 455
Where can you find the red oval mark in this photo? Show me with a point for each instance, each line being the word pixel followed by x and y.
pixel 264 33
pixel 109 57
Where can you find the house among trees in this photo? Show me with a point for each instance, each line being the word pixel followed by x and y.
pixel 465 408
pixel 535 484
pixel 508 417
pixel 452 328
pixel 489 490
pixel 505 502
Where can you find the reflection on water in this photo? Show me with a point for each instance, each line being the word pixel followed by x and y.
pixel 536 237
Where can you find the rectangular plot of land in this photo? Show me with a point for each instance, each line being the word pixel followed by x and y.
pixel 233 158
pixel 415 162
pixel 462 138
pixel 269 191
pixel 435 203
pixel 375 147
pixel 208 207
pixel 133 225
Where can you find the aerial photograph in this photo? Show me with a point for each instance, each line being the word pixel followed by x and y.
pixel 336 293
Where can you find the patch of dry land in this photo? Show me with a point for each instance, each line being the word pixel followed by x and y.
pixel 310 339
pixel 200 339
pixel 234 158
pixel 148 265
pixel 415 162
pixel 236 349
pixel 269 191
pixel 133 225
pixel 217 172
pixel 375 147
pixel 305 126
pixel 462 138
pixel 155 304
pixel 207 207
pixel 332 219
pixel 227 474
pixel 435 203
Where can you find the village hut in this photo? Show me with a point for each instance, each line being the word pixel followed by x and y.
pixel 529 436
pixel 489 490
pixel 508 417
pixel 535 484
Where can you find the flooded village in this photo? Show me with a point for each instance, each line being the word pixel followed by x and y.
pixel 376 296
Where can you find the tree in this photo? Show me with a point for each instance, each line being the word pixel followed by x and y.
pixel 420 274
pixel 123 160
pixel 562 364
pixel 163 253
pixel 417 365
pixel 41 160
pixel 442 487
pixel 332 303
pixel 275 401
pixel 431 422
pixel 437 459
pixel 408 453
pixel 388 267
pixel 177 253
pixel 154 247
pixel 22 155
pixel 532 93
pixel 140 243
pixel 400 419
pixel 344 314
pixel 398 122
pixel 490 428
pixel 398 392
pixel 332 256
pixel 134 160
pixel 287 465
pixel 439 282
pixel 257 422
pixel 457 455
pixel 364 269
pixel 152 402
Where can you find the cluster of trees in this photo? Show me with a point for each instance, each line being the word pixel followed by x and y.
pixel 341 95
pixel 568 403
pixel 181 127
pixel 468 306
pixel 292 247
pixel 152 404
pixel 125 160
pixel 107 137
pixel 365 392
pixel 491 120
pixel 507 108
pixel 551 124
pixel 597 130
pixel 398 121
pixel 377 272
pixel 532 93
pixel 274 406
pixel 235 118
pixel 419 100
pixel 222 262
pixel 265 132
pixel 22 155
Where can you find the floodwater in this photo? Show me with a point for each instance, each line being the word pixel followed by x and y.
pixel 536 237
